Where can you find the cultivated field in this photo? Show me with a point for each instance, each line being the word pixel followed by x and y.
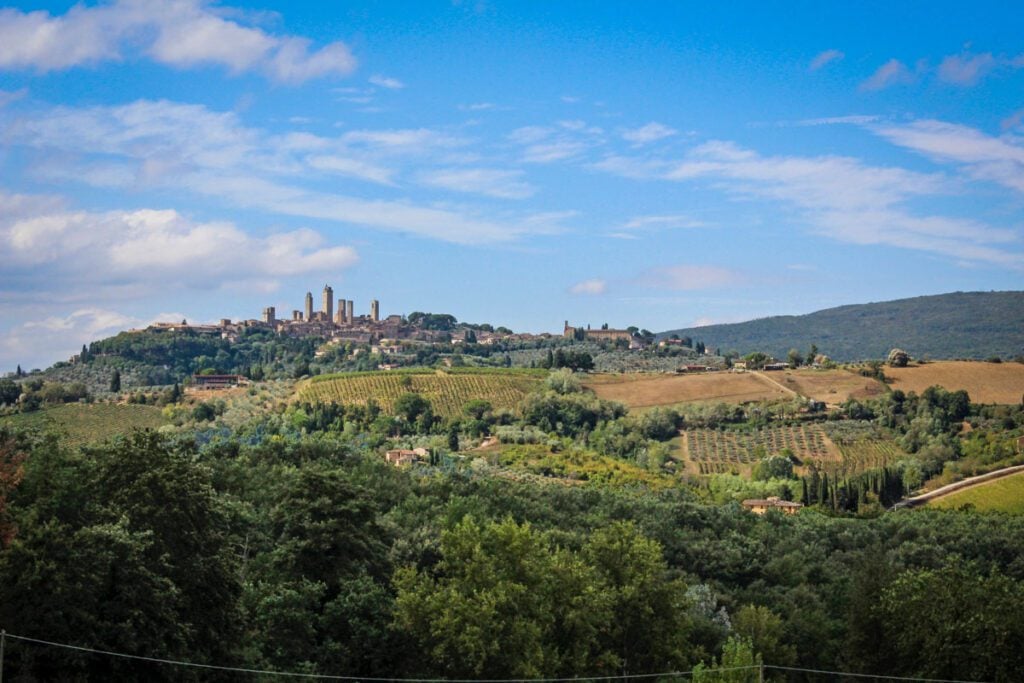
pixel 984 382
pixel 845 446
pixel 829 386
pixel 1004 495
pixel 80 424
pixel 447 391
pixel 641 391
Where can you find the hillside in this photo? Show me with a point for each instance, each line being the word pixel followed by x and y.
pixel 448 391
pixel 956 325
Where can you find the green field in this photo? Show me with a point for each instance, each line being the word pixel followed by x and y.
pixel 80 424
pixel 448 391
pixel 1002 495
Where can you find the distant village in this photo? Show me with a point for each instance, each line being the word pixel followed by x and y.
pixel 336 321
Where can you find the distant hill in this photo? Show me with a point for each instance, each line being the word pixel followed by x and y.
pixel 956 325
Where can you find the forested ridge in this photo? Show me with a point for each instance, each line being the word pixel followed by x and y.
pixel 957 325
pixel 289 544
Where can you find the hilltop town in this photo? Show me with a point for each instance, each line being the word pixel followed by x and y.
pixel 336 321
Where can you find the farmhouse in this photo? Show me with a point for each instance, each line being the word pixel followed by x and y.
pixel 759 506
pixel 217 381
pixel 401 457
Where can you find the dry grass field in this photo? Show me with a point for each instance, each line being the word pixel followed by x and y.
pixel 984 382
pixel 643 391
pixel 829 386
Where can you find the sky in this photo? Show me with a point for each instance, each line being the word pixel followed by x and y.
pixel 658 164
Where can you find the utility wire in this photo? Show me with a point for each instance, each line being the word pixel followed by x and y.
pixel 853 675
pixel 174 662
pixel 575 679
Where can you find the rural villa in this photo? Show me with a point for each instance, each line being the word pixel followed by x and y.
pixel 760 506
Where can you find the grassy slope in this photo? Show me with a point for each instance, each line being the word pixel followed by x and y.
pixel 89 423
pixel 957 325
pixel 1004 495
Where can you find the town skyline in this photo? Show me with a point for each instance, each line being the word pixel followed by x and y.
pixel 650 164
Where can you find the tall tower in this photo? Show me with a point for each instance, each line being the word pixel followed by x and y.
pixel 309 306
pixel 328 300
pixel 339 316
pixel 269 315
pixel 350 311
pixel 375 310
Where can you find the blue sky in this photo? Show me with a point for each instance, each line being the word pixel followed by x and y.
pixel 637 163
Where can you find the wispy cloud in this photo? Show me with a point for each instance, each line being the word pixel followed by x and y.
pixel 852 119
pixel 386 82
pixel 690 277
pixel 985 157
pixel 844 199
pixel 589 287
pixel 651 132
pixel 165 144
pixel 1013 120
pixel 486 181
pixel 182 34
pixel 893 72
pixel 547 144
pixel 965 69
pixel 826 57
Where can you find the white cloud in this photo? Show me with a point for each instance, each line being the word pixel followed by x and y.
pixel 486 181
pixel 168 144
pixel 844 199
pixel 1013 120
pixel 826 57
pixel 178 33
pixel 589 287
pixel 9 96
pixel 661 222
pixel 649 133
pixel 386 82
pixel 543 145
pixel 853 119
pixel 50 244
pixel 690 277
pixel 965 69
pixel 995 159
pixel 37 342
pixel 893 72
pixel 354 168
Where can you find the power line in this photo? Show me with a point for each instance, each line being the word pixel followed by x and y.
pixel 882 676
pixel 575 679
pixel 174 662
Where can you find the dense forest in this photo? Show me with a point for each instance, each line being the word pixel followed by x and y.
pixel 958 325
pixel 287 543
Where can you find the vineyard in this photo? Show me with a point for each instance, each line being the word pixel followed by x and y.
pixel 448 392
pixel 79 424
pixel 850 447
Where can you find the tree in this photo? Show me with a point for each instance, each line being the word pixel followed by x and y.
pixel 795 359
pixel 898 358
pixel 740 664
pixel 115 381
pixel 9 392
pixel 765 631
pixel 414 409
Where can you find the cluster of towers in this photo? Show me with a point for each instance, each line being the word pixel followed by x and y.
pixel 345 314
